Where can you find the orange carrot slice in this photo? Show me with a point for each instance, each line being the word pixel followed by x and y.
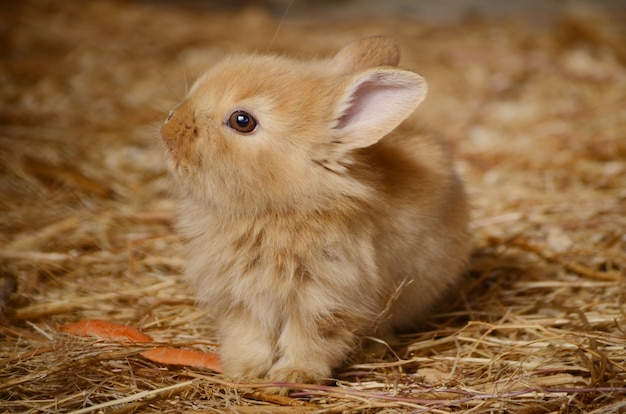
pixel 106 330
pixel 161 355
pixel 179 356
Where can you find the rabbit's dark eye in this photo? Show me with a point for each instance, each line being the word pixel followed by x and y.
pixel 241 121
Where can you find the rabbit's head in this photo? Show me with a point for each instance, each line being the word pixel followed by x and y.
pixel 266 132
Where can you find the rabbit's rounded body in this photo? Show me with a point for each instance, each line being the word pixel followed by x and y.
pixel 309 228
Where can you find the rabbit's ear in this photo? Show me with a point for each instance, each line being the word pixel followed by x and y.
pixel 367 53
pixel 373 104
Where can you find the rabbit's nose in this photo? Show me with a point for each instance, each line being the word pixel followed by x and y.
pixel 169 130
pixel 175 125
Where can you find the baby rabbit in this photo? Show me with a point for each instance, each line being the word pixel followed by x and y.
pixel 309 220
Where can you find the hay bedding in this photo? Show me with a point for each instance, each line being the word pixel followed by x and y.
pixel 535 116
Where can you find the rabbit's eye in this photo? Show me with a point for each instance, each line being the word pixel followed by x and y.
pixel 241 121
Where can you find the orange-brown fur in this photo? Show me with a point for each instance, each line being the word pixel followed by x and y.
pixel 300 232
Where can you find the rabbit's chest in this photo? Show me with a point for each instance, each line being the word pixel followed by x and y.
pixel 278 259
pixel 244 258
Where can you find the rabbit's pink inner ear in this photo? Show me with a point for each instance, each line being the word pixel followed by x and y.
pixel 375 103
pixel 369 98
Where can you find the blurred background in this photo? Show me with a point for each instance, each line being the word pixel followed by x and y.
pixel 441 10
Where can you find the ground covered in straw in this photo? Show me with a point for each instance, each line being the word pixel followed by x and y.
pixel 534 113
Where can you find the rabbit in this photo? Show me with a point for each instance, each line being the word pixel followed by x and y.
pixel 311 217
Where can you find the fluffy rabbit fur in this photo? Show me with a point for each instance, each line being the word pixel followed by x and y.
pixel 321 223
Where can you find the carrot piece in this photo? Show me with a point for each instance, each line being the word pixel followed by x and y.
pixel 162 355
pixel 106 330
pixel 189 357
